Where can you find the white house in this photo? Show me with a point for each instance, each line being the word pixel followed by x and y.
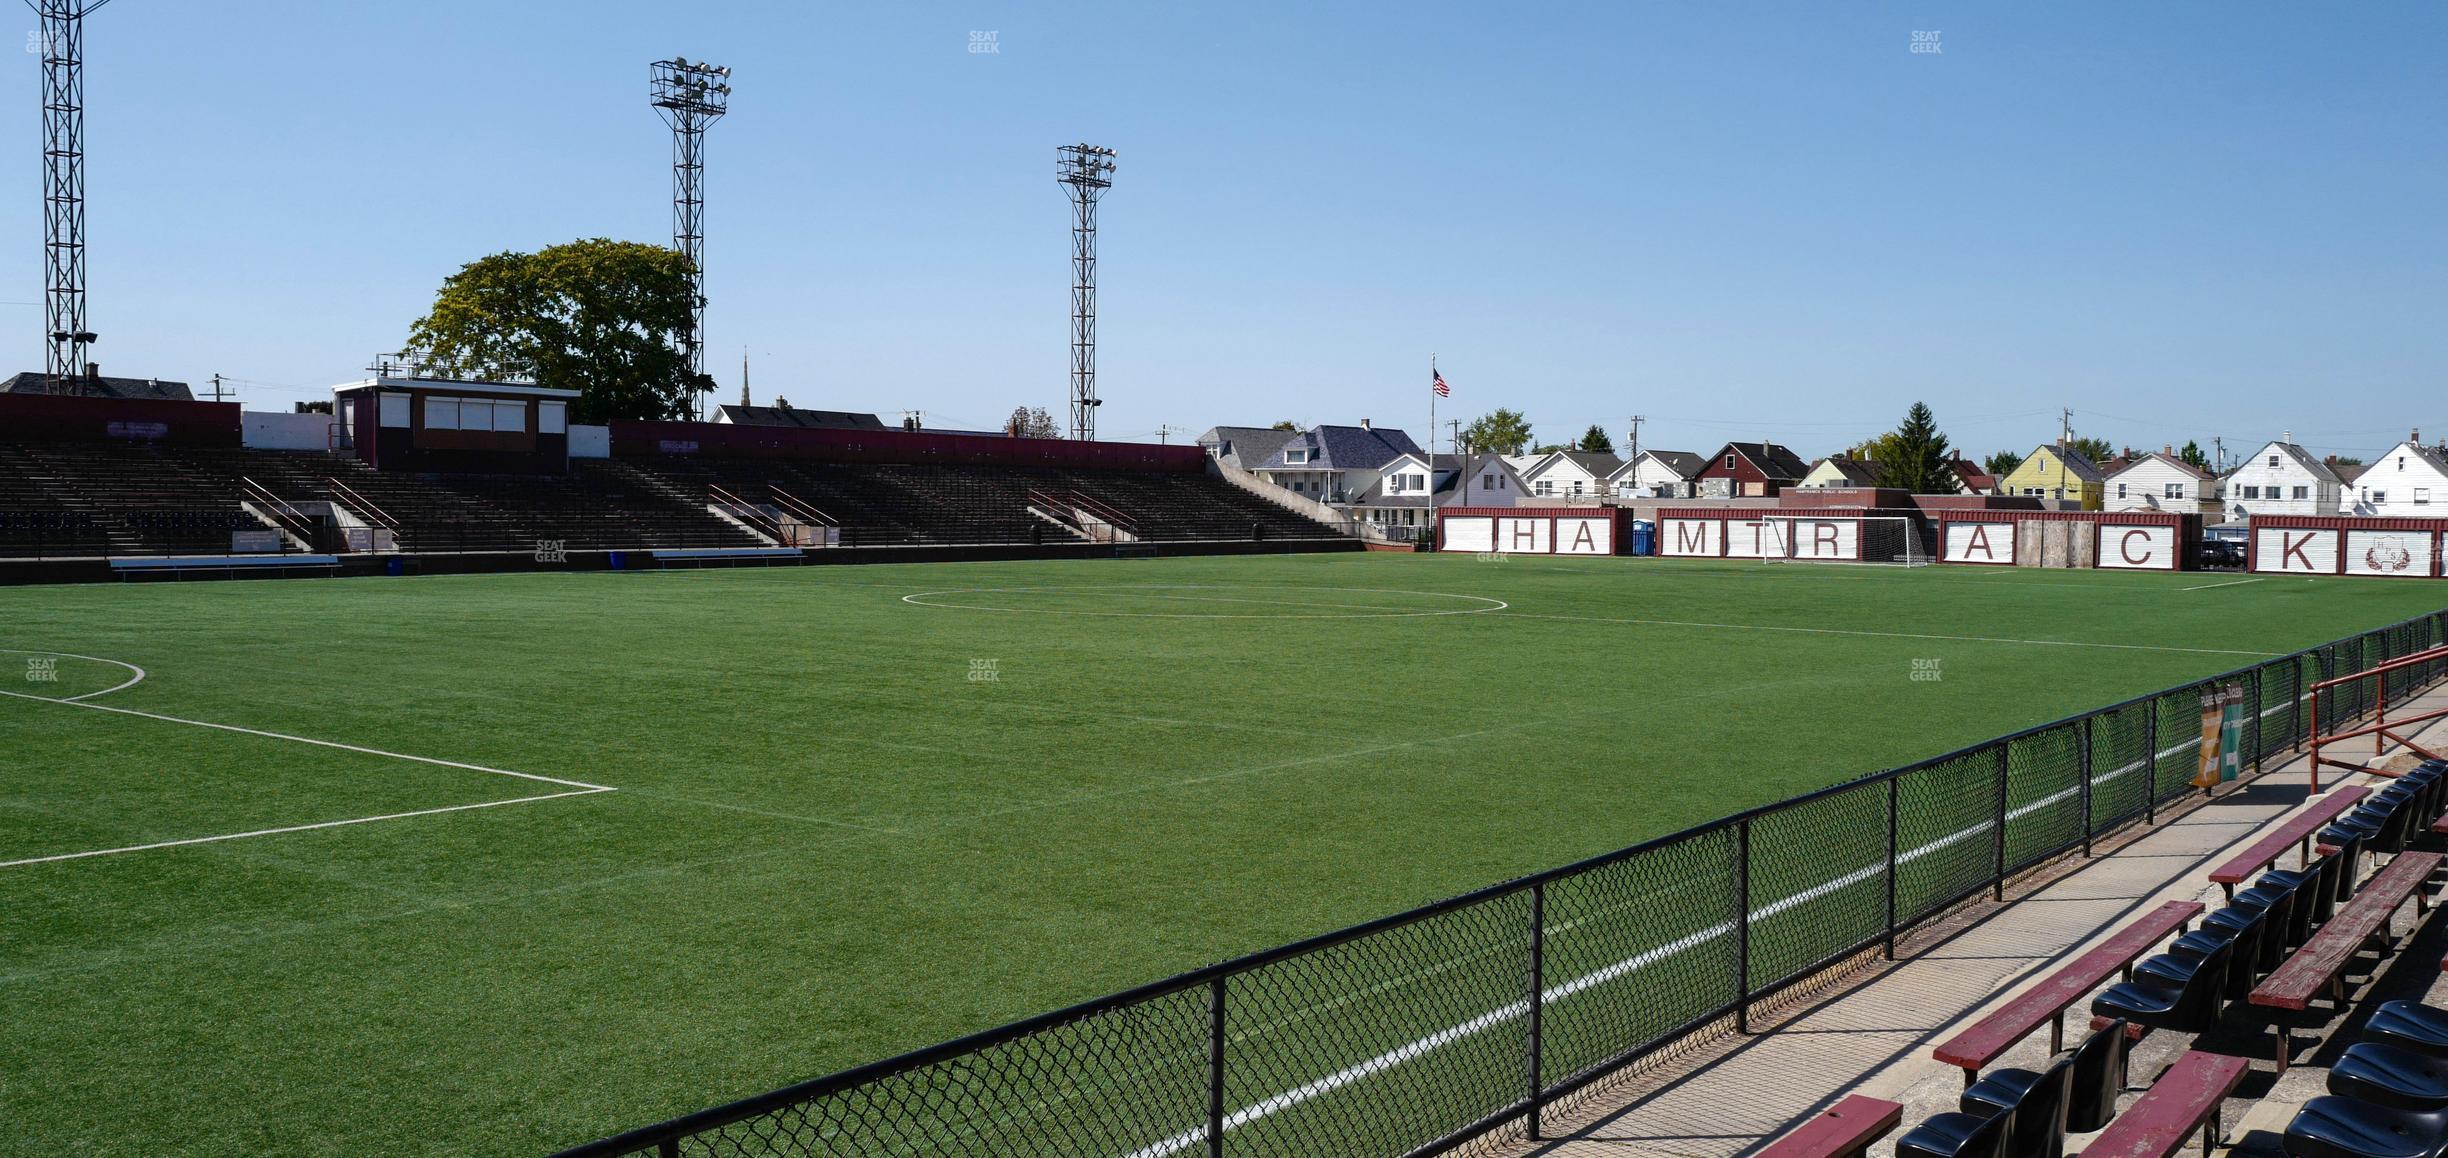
pixel 1402 496
pixel 2279 479
pixel 1572 474
pixel 2409 482
pixel 2162 482
pixel 1332 464
pixel 1657 474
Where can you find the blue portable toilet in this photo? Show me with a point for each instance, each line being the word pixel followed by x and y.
pixel 1644 537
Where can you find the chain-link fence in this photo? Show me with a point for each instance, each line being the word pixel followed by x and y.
pixel 1419 1032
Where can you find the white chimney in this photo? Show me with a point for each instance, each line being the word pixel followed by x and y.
pixel 2288 438
pixel 1364 424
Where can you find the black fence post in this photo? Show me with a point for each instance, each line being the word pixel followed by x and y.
pixel 670 1148
pixel 2150 760
pixel 1895 806
pixel 2082 759
pixel 1742 926
pixel 1533 1048
pixel 1215 1069
pixel 2003 760
pixel 2252 723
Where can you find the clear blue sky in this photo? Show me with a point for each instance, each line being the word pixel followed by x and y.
pixel 1742 221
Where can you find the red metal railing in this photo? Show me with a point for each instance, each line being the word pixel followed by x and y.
pixel 2382 729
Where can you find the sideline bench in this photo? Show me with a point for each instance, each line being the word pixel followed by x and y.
pixel 2321 963
pixel 2047 1001
pixel 2180 1102
pixel 1844 1130
pixel 2296 833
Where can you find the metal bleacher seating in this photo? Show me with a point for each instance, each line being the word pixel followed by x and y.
pixel 122 500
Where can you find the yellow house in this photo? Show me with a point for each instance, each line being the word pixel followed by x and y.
pixel 2056 472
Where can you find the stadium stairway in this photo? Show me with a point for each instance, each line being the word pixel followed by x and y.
pixel 1870 1033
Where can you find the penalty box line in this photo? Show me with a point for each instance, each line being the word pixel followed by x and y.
pixel 575 787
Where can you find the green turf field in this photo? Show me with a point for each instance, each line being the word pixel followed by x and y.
pixel 776 822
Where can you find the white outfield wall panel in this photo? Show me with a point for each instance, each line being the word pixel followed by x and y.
pixel 1516 536
pixel 1469 532
pixel 2137 547
pixel 1584 536
pixel 2296 550
pixel 2392 553
pixel 1691 537
pixel 1980 543
pixel 1748 538
pixel 1822 539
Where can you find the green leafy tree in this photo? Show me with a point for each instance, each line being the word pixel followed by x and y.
pixel 1499 431
pixel 2097 450
pixel 1028 422
pixel 2192 456
pixel 1914 457
pixel 1286 424
pixel 605 318
pixel 2348 460
pixel 2002 463
pixel 1595 438
pixel 1875 449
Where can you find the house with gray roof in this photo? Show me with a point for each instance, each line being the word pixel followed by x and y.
pixel 1569 474
pixel 2281 478
pixel 1333 464
pixel 1658 474
pixel 96 386
pixel 2409 482
pixel 1243 446
pixel 784 414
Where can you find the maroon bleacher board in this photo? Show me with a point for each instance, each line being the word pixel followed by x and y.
pixel 733 440
pixel 65 418
pixel 2184 1097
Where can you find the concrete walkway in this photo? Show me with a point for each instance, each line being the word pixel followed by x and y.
pixel 1872 1033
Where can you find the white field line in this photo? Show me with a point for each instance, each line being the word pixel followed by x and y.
pixel 577 787
pixel 8 864
pixel 1403 1053
pixel 2216 586
pixel 131 682
pixel 78 703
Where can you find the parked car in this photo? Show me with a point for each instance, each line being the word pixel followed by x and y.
pixel 2221 554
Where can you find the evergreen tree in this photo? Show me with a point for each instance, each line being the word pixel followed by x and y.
pixel 1914 458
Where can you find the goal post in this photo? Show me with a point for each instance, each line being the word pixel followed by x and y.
pixel 1882 540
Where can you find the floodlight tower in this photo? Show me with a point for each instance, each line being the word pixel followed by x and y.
pixel 691 96
pixel 63 100
pixel 1088 171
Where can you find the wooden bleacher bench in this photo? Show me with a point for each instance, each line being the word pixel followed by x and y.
pixel 2047 1001
pixel 1844 1130
pixel 2296 833
pixel 2180 1102
pixel 2321 962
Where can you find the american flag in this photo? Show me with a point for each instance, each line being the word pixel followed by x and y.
pixel 1436 382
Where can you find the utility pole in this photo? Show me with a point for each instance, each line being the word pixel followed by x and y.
pixel 1165 432
pixel 2065 426
pixel 1634 455
pixel 219 395
pixel 2219 445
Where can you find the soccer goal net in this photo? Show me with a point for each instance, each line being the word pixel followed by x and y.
pixel 1889 540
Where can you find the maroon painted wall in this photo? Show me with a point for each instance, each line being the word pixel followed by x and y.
pixel 60 418
pixel 729 440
